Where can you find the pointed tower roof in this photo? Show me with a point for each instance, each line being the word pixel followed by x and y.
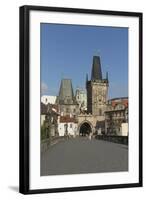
pixel 66 95
pixel 86 78
pixel 96 73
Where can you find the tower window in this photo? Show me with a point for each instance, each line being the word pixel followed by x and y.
pixel 100 112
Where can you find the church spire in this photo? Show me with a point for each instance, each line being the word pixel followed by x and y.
pixel 96 73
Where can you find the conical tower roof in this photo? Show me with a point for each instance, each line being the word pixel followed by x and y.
pixel 66 95
pixel 96 73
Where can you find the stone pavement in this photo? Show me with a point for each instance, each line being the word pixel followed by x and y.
pixel 81 155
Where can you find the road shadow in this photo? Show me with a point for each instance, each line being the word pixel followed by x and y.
pixel 14 188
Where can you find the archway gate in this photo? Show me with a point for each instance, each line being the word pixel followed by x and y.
pixel 89 119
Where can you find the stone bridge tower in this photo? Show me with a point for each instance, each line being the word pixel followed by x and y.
pixel 97 90
pixel 66 100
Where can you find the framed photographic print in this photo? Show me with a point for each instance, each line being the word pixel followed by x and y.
pixel 80 99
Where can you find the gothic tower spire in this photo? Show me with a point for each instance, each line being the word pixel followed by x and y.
pixel 86 78
pixel 66 91
pixel 96 73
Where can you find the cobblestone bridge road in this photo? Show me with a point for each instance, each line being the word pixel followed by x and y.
pixel 81 155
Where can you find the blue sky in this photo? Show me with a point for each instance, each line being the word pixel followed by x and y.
pixel 67 52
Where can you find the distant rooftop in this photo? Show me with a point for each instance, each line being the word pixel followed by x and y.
pixel 120 100
pixel 67 119
pixel 117 98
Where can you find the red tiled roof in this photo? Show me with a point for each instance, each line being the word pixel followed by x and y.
pixel 67 119
pixel 123 101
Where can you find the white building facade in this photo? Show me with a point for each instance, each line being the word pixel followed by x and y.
pixel 67 126
pixel 45 99
pixel 124 129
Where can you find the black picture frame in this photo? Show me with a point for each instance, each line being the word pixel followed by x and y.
pixel 25 104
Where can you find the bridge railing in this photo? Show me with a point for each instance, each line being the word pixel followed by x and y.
pixel 46 143
pixel 113 138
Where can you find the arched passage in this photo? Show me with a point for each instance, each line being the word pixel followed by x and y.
pixel 85 129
